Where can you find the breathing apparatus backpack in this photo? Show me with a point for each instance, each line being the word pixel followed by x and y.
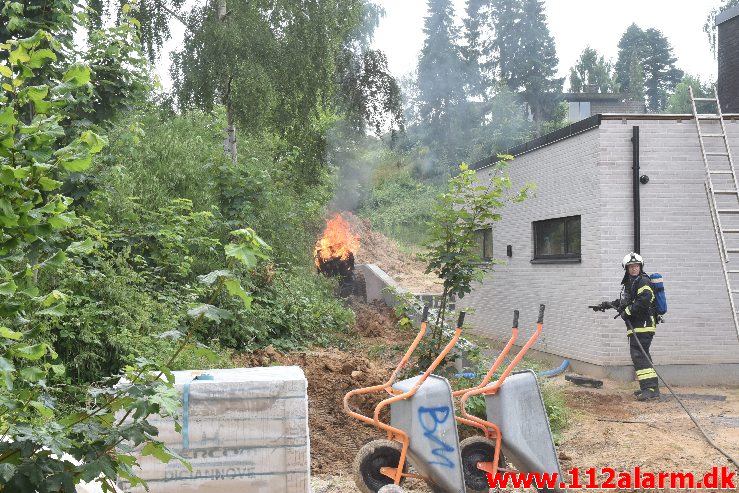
pixel 658 287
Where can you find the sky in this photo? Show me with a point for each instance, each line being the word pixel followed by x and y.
pixel 573 24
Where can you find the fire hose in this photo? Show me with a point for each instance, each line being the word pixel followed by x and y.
pixel 695 421
pixel 603 307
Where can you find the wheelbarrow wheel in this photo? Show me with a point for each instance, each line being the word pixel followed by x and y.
pixel 473 450
pixel 370 459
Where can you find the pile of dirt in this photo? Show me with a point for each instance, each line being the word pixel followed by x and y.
pixel 611 429
pixel 375 320
pixel 335 437
pixel 376 248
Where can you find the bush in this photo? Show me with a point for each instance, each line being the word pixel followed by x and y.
pixel 295 309
pixel 400 207
pixel 167 198
pixel 111 319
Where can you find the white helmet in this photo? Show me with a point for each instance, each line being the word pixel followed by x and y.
pixel 632 258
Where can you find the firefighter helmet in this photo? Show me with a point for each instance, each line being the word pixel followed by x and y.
pixel 632 258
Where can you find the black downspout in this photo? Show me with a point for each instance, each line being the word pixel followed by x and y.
pixel 635 183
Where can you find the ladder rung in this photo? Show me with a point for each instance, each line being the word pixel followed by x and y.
pixel 728 211
pixel 730 231
pixel 712 135
pixel 732 271
pixel 717 154
pixel 726 192
pixel 721 172
pixel 732 250
pixel 704 99
pixel 709 117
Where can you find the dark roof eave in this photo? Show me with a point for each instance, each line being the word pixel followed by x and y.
pixel 593 96
pixel 727 14
pixel 544 140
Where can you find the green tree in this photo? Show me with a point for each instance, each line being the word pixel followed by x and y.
pixel 36 229
pixel 119 75
pixel 441 80
pixel 710 25
pixel 631 51
pixel 503 124
pixel 154 18
pixel 636 77
pixel 592 73
pixel 479 76
pixel 466 207
pixel 21 20
pixel 368 95
pixel 525 55
pixel 680 102
pixel 652 51
pixel 273 72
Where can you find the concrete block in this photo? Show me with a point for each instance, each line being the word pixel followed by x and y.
pixel 245 429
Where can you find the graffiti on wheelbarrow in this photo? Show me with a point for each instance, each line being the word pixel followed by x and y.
pixel 430 419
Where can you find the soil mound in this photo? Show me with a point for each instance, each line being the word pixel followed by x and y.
pixel 335 437
pixel 376 248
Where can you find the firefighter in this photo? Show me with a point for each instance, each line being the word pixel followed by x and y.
pixel 636 306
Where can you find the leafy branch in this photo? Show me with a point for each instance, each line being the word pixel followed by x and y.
pixel 459 213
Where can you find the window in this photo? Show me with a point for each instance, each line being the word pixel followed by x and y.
pixel 557 239
pixel 484 239
pixel 578 110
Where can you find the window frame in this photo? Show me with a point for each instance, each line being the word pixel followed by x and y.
pixel 538 258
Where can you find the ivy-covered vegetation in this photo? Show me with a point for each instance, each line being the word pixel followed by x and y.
pixel 131 246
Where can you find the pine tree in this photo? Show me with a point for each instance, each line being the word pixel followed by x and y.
pixel 479 77
pixel 647 53
pixel 659 69
pixel 631 47
pixel 592 73
pixel 525 55
pixel 636 77
pixel 441 79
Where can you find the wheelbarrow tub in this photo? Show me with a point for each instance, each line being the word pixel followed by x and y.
pixel 518 410
pixel 428 419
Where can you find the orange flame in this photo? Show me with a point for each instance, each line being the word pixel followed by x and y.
pixel 337 241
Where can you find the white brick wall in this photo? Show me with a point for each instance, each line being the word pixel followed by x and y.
pixel 566 177
pixel 590 175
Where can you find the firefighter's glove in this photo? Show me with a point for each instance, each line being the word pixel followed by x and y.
pixel 624 315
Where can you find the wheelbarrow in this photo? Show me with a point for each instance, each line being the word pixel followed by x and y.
pixel 385 462
pixel 423 427
pixel 513 403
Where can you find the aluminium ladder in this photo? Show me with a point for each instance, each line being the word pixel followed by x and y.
pixel 723 213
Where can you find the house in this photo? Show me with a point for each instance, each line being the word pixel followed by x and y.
pixel 607 185
pixel 727 23
pixel 587 104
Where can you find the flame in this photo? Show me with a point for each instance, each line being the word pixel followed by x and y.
pixel 337 241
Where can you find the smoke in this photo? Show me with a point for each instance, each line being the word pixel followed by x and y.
pixel 355 158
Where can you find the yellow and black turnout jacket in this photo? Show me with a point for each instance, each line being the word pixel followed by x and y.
pixel 637 301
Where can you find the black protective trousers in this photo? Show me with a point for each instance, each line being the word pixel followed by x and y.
pixel 645 373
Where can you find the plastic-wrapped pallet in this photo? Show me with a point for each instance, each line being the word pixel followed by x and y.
pixel 243 430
